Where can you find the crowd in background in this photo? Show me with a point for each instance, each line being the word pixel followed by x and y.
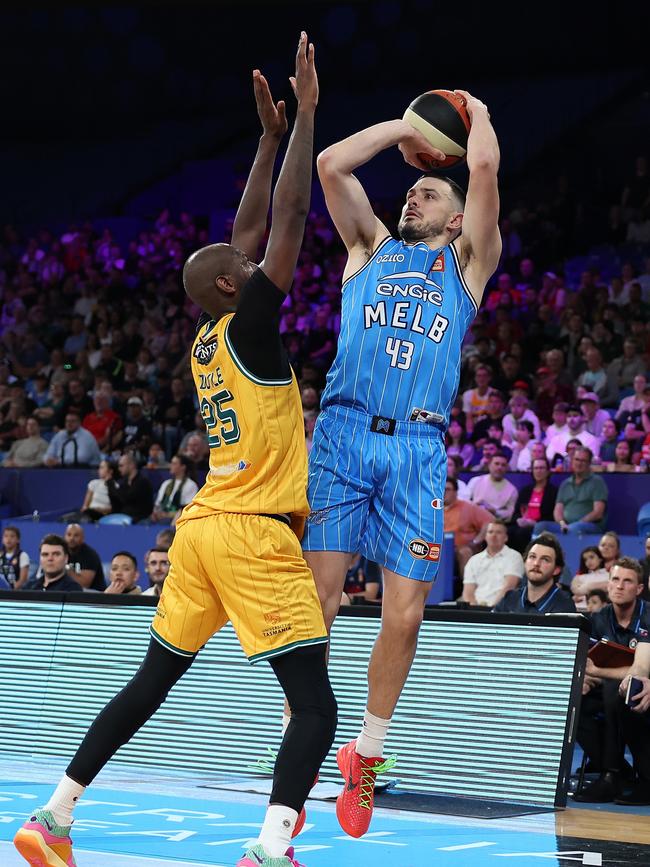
pixel 95 335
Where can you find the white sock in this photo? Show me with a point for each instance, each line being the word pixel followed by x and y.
pixel 286 719
pixel 64 800
pixel 278 826
pixel 370 742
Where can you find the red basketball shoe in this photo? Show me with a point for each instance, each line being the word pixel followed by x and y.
pixel 355 804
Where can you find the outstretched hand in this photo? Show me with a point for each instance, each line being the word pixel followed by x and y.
pixel 305 81
pixel 272 117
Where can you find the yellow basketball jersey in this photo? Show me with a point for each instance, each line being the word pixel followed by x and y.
pixel 258 456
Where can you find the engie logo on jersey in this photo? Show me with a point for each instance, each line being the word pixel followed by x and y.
pixel 204 350
pixel 422 550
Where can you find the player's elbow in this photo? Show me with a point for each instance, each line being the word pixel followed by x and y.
pixel 326 162
pixel 484 161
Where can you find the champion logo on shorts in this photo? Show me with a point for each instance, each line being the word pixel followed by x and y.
pixel 437 503
pixel 422 550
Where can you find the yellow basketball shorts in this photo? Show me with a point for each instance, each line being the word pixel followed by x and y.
pixel 248 569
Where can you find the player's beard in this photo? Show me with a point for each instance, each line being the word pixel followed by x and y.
pixel 418 230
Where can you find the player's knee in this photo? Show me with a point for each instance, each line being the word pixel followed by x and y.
pixel 319 713
pixel 403 626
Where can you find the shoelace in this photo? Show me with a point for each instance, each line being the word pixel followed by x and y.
pixel 368 775
pixel 265 766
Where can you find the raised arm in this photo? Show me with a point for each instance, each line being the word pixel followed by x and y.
pixel 480 241
pixel 250 220
pixel 293 189
pixel 346 199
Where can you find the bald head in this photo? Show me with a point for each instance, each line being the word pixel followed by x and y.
pixel 214 276
pixel 74 536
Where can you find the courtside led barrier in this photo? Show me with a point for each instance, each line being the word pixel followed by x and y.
pixel 489 710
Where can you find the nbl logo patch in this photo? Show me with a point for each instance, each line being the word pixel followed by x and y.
pixel 439 264
pixel 422 550
pixel 205 349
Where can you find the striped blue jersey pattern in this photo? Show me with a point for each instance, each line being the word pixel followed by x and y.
pixel 403 319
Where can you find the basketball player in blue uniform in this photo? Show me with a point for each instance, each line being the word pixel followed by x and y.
pixel 378 463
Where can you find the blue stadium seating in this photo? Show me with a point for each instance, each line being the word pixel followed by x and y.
pixel 116 518
pixel 643 520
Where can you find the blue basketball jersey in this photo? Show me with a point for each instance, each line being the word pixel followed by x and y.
pixel 404 316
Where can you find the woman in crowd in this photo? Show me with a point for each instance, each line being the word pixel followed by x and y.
pixel 457 443
pixel 610 548
pixel 536 502
pixel 622 462
pixel 591 575
pixel 96 502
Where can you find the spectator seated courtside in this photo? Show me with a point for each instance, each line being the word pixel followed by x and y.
pixel 14 562
pixel 124 575
pixel 156 566
pixel 468 522
pixel 73 446
pixel 176 492
pixel 492 573
pixel 84 563
pixel 535 502
pixel 492 491
pixel 131 493
pixel 625 620
pixel 54 575
pixel 581 505
pixel 541 594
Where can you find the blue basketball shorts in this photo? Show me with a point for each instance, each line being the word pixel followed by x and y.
pixel 376 488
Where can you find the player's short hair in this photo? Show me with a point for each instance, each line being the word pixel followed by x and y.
pixel 128 554
pixel 499 522
pixel 457 192
pixel 548 540
pixel 452 482
pixel 630 563
pixel 55 540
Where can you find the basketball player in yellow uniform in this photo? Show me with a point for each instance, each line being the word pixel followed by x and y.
pixel 236 555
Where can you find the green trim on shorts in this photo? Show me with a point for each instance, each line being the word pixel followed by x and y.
pixel 186 653
pixel 287 648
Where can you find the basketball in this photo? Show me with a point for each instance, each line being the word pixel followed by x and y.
pixel 441 116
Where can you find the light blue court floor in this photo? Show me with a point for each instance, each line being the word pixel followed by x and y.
pixel 151 818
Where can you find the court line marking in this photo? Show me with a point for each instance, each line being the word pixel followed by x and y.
pixel 464 846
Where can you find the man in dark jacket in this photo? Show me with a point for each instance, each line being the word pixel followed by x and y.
pixel 54 566
pixel 132 493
